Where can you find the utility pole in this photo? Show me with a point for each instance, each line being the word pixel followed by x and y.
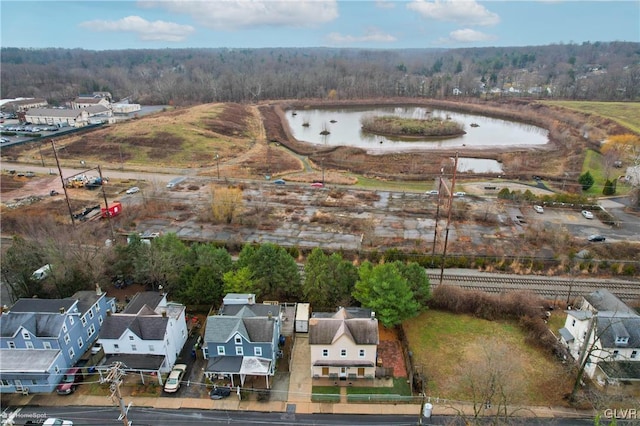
pixel 106 205
pixel 446 235
pixel 115 378
pixel 64 186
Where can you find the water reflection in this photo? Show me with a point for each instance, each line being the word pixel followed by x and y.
pixel 344 127
pixel 478 165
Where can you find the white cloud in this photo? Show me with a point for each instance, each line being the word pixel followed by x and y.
pixel 239 14
pixel 372 35
pixel 465 36
pixel 146 30
pixel 465 12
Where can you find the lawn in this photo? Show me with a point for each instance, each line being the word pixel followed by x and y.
pixel 325 394
pixel 445 346
pixel 593 164
pixel 624 113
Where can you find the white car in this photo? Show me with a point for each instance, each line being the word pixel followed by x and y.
pixel 459 194
pixel 173 381
pixel 587 214
pixel 538 209
pixel 133 190
pixel 432 192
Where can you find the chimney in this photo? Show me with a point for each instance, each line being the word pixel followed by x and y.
pixel 98 290
pixel 108 312
pixel 164 314
pixel 373 315
pixel 270 315
pixel 62 310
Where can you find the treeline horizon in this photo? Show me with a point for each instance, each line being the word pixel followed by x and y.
pixel 604 71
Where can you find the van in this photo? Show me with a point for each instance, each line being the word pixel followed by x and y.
pixel 69 381
pixel 41 273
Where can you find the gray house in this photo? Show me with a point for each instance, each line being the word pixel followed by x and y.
pixel 242 341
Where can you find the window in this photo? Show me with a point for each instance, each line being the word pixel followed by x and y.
pixel 100 319
pixel 71 320
pixel 130 337
pixel 615 353
pixel 80 342
pixel 573 323
pixel 91 330
pixel 134 348
pixel 116 346
pixel 66 339
pixel 4 382
pixel 151 348
pixel 361 353
pixel 64 326
pixel 239 350
pixel 220 350
pixel 257 351
pixel 325 353
pixel 26 335
pixel 97 308
pixel 46 345
pixel 12 345
pixel 90 313
pixel 56 369
pixel 238 340
pixel 83 320
pixel 29 345
pixel 34 382
pixel 72 353
pixel 622 340
pixel 343 353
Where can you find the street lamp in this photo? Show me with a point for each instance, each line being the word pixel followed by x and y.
pixel 218 165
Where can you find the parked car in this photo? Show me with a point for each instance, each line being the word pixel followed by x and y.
pixel 587 214
pixel 219 392
pixel 173 382
pixel 432 192
pixel 69 381
pixel 97 347
pixel 279 182
pixel 596 238
pixel 538 209
pixel 459 194
pixel 317 185
pixel 133 190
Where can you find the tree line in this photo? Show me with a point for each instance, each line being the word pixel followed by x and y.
pixel 589 71
pixel 202 273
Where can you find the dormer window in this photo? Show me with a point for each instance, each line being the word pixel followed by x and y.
pixel 622 340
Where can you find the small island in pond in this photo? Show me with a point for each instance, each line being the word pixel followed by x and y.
pixel 390 125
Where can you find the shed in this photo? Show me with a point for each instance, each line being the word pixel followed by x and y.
pixel 302 318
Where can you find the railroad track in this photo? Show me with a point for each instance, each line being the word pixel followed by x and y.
pixel 543 286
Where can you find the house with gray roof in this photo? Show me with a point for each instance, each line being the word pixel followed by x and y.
pixel 604 332
pixel 344 344
pixel 58 117
pixel 242 340
pixel 147 336
pixel 41 338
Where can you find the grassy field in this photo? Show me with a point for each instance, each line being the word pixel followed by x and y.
pixel 446 345
pixel 624 113
pixel 594 165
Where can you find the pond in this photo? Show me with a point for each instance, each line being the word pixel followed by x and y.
pixel 478 165
pixel 344 127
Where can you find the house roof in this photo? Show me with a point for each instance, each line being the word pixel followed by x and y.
pixel 579 314
pixel 222 328
pixel 150 298
pixel 224 364
pixel 97 109
pixel 145 327
pixel 566 335
pixel 40 325
pixel 139 362
pixel 86 299
pixel 42 305
pixel 251 310
pixel 27 360
pixel 360 330
pixel 603 300
pixel 346 313
pixel 54 112
pixel 610 328
pixel 88 100
pixel 622 370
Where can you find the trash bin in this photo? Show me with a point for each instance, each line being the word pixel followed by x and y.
pixel 426 411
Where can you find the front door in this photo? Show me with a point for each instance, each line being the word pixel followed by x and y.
pixel 343 373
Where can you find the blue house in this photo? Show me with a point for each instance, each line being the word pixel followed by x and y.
pixel 242 340
pixel 41 338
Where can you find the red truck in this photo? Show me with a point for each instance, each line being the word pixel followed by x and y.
pixel 114 209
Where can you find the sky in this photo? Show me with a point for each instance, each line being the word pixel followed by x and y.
pixel 369 24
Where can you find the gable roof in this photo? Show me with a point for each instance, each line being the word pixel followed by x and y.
pixel 150 298
pixel 610 328
pixel 221 328
pixel 604 301
pixel 145 327
pixel 42 305
pixel 360 330
pixel 55 112
pixel 251 310
pixel 40 325
pixel 86 299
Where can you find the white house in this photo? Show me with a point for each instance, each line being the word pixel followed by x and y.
pixel 147 336
pixel 57 117
pixel 344 344
pixel 607 331
pixel 84 102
